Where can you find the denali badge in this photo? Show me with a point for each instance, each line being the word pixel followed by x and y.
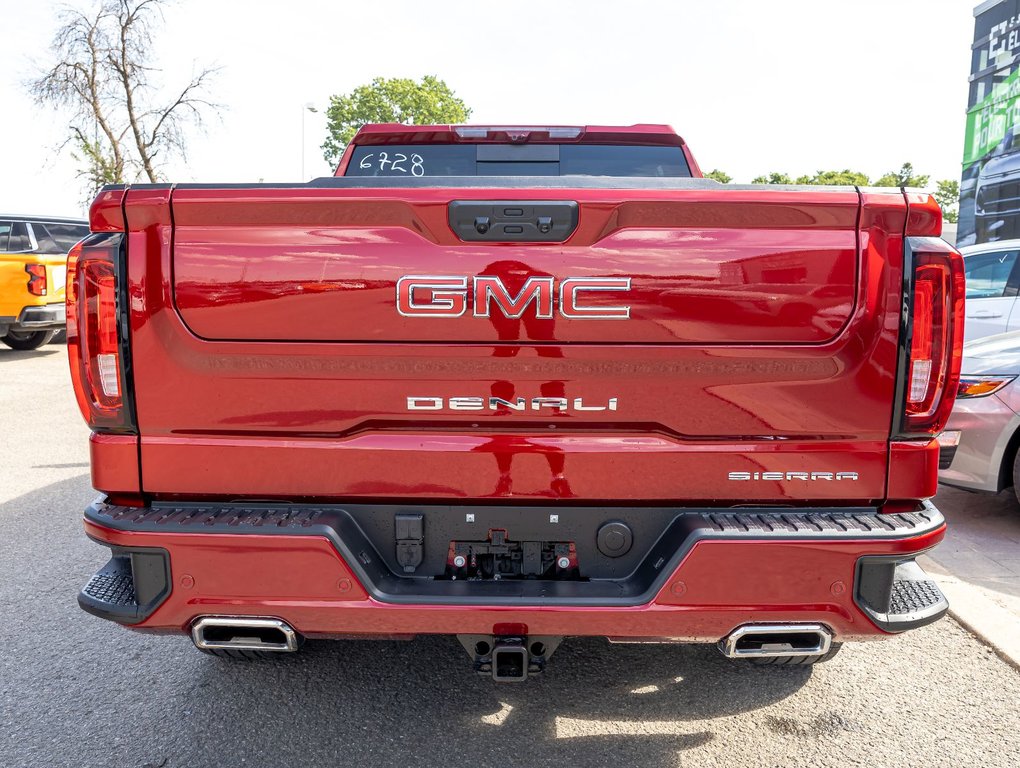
pixel 793 476
pixel 448 296
pixel 495 403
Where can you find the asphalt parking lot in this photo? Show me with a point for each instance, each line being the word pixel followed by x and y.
pixel 78 691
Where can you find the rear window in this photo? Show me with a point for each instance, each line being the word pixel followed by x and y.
pixel 517 160
pixel 58 238
pixel 14 237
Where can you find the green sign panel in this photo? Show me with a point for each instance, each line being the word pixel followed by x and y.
pixel 990 120
pixel 989 203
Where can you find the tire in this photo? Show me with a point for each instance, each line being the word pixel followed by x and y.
pixel 25 340
pixel 1016 477
pixel 238 655
pixel 795 661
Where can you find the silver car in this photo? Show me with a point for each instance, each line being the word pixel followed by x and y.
pixel 979 444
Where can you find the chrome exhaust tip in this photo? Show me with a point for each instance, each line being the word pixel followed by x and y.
pixel 244 633
pixel 761 640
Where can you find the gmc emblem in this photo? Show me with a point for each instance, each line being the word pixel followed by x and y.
pixel 448 296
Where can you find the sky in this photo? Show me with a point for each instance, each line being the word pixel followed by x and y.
pixel 785 85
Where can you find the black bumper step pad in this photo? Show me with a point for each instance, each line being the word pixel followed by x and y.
pixel 306 519
pixel 114 585
pixel 897 594
pixel 910 597
pixel 129 587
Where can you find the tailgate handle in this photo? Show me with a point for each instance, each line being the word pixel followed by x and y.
pixel 537 221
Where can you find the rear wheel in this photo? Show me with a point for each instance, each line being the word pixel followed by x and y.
pixel 251 654
pixel 1016 476
pixel 27 339
pixel 240 655
pixel 794 661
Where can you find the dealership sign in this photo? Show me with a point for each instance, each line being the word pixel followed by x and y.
pixel 990 186
pixel 989 122
pixel 1004 37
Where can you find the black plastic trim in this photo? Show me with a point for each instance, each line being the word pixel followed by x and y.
pixel 876 581
pixel 946 455
pixel 42 317
pixel 130 587
pixel 124 334
pixel 1012 287
pixel 686 527
pixel 489 220
pixel 903 353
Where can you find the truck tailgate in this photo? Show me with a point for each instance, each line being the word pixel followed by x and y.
pixel 737 271
pixel 755 361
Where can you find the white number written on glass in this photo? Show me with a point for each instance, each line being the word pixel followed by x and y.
pixel 396 164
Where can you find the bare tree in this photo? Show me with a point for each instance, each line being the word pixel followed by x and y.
pixel 122 125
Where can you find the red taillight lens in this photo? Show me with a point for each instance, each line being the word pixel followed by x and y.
pixel 36 279
pixel 936 335
pixel 93 342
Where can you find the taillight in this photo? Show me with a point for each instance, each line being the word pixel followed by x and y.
pixel 93 337
pixel 935 332
pixel 36 279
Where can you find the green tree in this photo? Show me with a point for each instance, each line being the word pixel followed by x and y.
pixel 721 176
pixel 390 100
pixel 846 177
pixel 904 177
pixel 773 178
pixel 947 194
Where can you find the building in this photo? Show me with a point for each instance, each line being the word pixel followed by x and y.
pixel 990 187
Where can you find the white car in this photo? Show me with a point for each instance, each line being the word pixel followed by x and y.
pixel 993 282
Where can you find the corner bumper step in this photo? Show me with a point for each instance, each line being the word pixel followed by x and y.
pixel 898 596
pixel 129 587
pixel 113 586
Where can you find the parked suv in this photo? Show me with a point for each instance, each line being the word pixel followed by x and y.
pixel 33 270
pixel 993 282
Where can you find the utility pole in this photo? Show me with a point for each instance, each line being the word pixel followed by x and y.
pixel 306 108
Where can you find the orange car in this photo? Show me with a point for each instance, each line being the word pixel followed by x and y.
pixel 33 270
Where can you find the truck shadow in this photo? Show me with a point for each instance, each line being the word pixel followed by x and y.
pixel 8 354
pixel 87 692
pixel 392 702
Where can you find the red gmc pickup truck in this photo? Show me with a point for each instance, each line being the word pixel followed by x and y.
pixel 515 384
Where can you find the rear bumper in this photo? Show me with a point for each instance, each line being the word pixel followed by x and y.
pixel 37 318
pixel 705 573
